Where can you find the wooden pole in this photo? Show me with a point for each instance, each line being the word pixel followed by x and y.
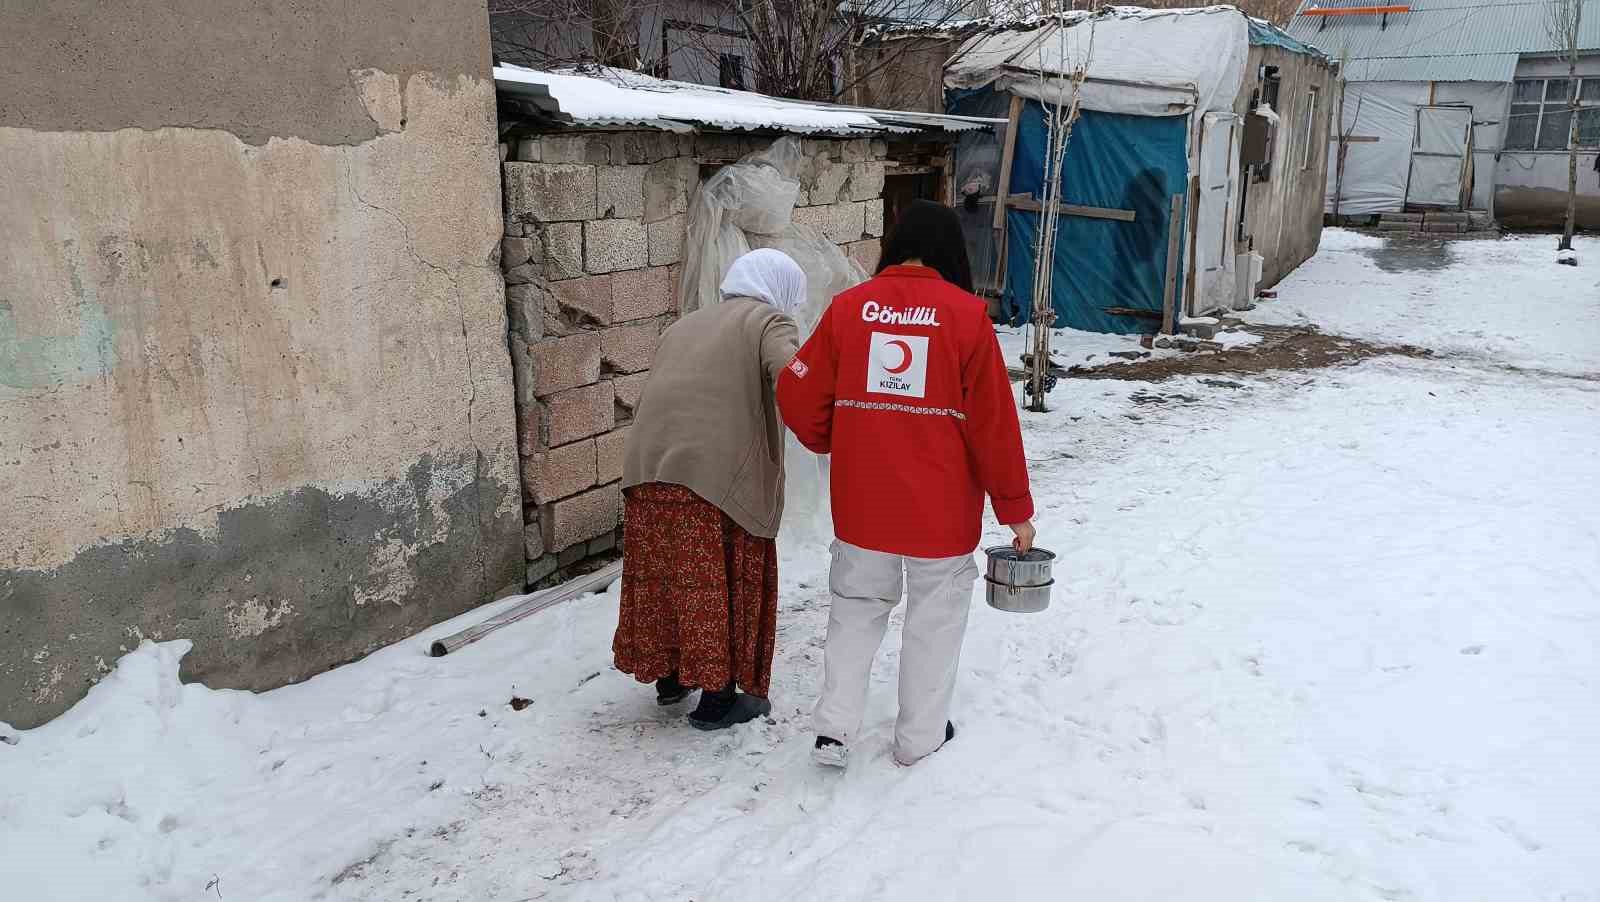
pixel 1168 297
pixel 1194 246
pixel 1002 190
pixel 530 604
pixel 1006 157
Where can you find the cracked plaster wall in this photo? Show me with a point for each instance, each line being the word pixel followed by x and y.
pixel 254 382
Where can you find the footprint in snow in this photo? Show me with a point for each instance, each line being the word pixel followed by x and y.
pixel 1510 828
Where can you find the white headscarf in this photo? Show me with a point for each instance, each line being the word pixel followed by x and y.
pixel 767 275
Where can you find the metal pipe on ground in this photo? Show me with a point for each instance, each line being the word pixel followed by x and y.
pixel 598 581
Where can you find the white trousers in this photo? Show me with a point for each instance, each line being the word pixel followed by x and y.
pixel 866 587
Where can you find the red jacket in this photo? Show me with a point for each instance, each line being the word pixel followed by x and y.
pixel 903 383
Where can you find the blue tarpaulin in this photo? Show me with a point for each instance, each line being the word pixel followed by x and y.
pixel 1113 161
pixel 1266 34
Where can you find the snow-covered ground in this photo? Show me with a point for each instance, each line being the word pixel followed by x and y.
pixel 1502 301
pixel 1325 635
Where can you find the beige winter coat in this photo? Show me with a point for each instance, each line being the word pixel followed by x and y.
pixel 707 419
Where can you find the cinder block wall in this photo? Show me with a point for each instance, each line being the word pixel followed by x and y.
pixel 595 227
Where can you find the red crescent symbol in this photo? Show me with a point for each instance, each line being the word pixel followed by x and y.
pixel 905 362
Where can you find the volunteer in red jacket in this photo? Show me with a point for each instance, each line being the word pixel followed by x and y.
pixel 904 385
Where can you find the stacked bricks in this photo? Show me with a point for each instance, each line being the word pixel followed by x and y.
pixel 593 253
pixel 841 195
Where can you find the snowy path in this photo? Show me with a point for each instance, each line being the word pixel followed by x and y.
pixel 1320 635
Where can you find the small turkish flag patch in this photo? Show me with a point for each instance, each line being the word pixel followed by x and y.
pixel 798 367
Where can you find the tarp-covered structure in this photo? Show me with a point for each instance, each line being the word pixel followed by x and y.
pixel 1417 144
pixel 1158 98
pixel 1426 119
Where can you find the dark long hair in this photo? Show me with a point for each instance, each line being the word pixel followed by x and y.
pixel 931 233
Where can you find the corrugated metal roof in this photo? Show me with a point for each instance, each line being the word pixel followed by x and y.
pixel 595 97
pixel 1438 40
pixel 1473 67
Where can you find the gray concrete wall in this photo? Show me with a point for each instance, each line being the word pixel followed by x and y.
pixel 254 383
pixel 538 40
pixel 1283 215
pixel 1531 185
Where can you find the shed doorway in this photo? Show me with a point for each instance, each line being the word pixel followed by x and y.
pixel 1441 147
pixel 901 188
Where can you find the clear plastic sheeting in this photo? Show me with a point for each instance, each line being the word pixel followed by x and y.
pixel 750 205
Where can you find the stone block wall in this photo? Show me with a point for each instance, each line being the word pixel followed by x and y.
pixel 595 230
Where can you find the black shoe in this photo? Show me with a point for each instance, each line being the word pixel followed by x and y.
pixel 714 703
pixel 743 709
pixel 949 731
pixel 669 691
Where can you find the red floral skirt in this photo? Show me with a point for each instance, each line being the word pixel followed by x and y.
pixel 699 594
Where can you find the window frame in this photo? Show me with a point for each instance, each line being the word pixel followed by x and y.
pixel 1270 94
pixel 1544 106
pixel 731 71
pixel 1312 96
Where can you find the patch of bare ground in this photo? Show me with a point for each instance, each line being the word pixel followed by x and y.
pixel 1280 348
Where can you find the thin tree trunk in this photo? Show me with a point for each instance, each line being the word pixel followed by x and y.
pixel 1572 134
pixel 1338 172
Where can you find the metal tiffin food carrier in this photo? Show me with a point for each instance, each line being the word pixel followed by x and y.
pixel 1018 582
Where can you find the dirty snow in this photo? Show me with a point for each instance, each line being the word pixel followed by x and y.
pixel 1326 635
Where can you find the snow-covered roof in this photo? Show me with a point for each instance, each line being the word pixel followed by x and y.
pixel 598 97
pixel 1139 61
pixel 1261 31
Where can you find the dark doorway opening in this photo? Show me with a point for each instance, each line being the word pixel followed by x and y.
pixel 901 188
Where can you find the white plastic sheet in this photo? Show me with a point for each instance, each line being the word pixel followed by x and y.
pixel 1143 62
pixel 1488 101
pixel 1374 170
pixel 1438 156
pixel 749 205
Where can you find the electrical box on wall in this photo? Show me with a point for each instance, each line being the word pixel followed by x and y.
pixel 1254 146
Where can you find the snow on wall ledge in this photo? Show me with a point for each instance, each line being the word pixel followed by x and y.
pixel 254 396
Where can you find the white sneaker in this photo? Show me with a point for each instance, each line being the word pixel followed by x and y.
pixel 832 754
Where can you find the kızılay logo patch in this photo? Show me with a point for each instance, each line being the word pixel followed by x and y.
pixel 898 365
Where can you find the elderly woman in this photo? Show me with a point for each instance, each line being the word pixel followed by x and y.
pixel 703 489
